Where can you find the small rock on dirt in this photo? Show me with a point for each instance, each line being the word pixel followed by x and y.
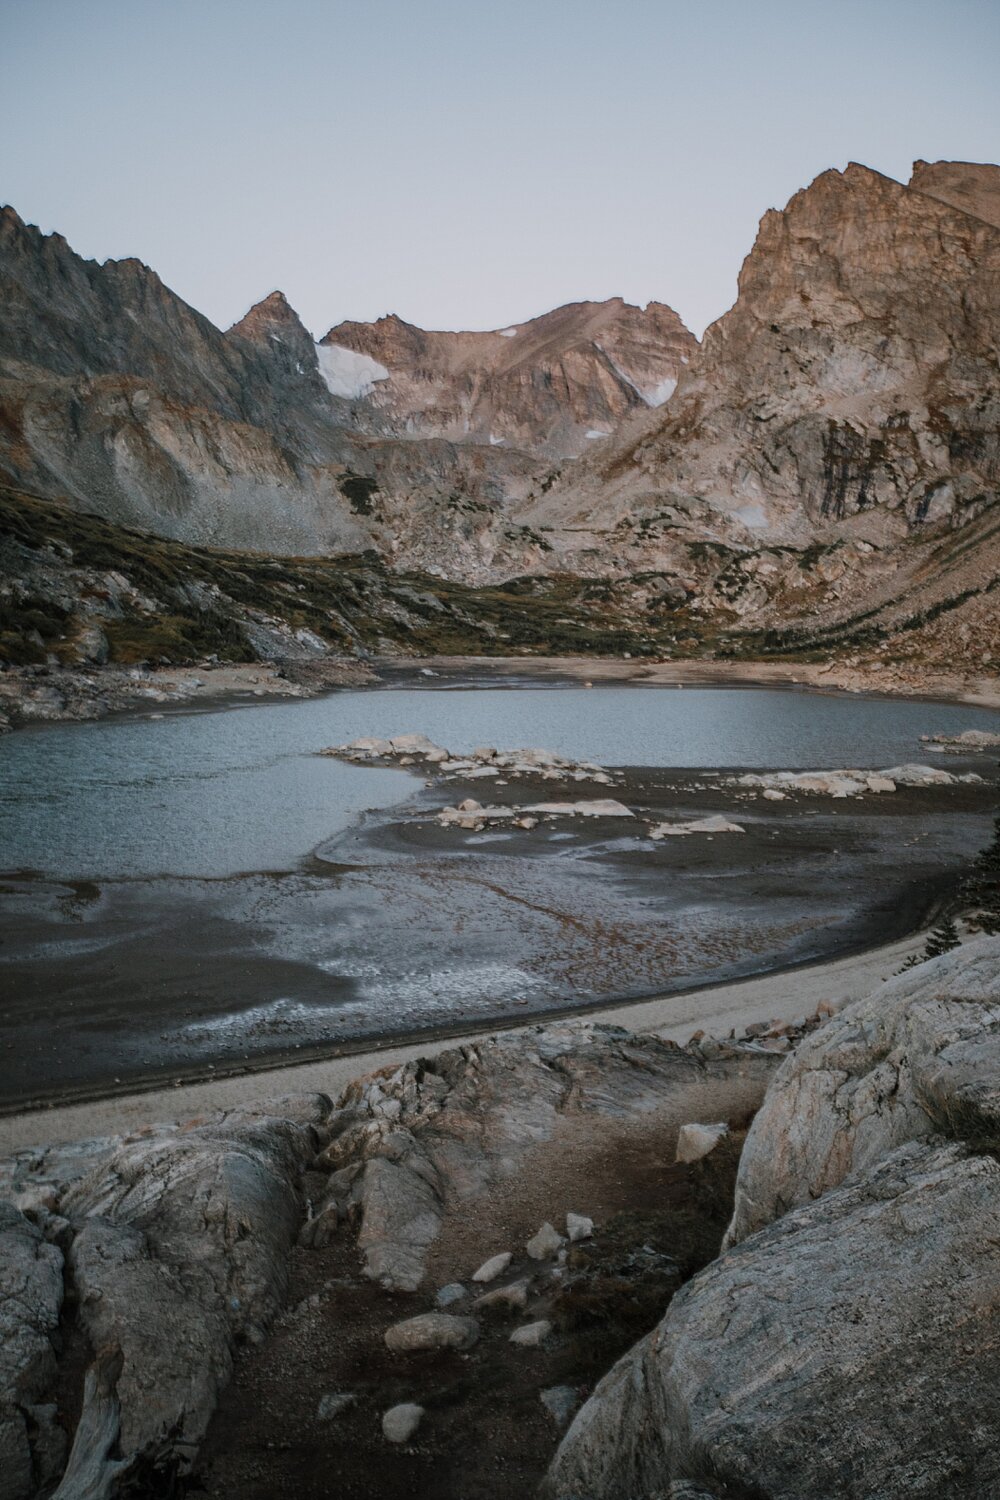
pixel 333 1403
pixel 561 1402
pixel 545 1244
pixel 492 1268
pixel 401 1422
pixel 578 1227
pixel 696 1141
pixel 453 1292
pixel 532 1335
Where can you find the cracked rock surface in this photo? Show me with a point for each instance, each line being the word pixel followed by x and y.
pixel 849 1340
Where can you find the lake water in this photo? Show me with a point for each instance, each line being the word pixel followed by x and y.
pixel 219 793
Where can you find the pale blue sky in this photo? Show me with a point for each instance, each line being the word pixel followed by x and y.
pixel 468 165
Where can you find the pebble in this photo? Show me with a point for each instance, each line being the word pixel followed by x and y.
pixel 491 1269
pixel 333 1403
pixel 514 1296
pixel 453 1292
pixel 545 1244
pixel 560 1401
pixel 696 1141
pixel 401 1422
pixel 532 1335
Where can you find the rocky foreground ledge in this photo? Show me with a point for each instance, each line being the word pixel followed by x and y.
pixel 846 1342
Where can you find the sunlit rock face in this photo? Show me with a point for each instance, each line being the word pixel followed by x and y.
pixel 554 385
pixel 855 376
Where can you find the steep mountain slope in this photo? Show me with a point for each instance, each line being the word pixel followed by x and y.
pixel 119 397
pixel 550 386
pixel 836 425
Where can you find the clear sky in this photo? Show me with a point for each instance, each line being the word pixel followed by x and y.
pixel 468 163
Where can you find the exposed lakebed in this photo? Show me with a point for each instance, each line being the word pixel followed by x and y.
pixel 207 889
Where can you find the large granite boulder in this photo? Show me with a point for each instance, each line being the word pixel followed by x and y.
pixel 920 1054
pixel 31 1295
pixel 848 1341
pixel 849 1350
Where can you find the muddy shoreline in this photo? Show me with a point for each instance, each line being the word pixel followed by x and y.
pixel 167 982
pixel 33 696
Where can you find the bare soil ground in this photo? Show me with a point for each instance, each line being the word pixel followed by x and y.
pixel 486 1434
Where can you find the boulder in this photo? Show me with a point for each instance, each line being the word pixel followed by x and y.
pixel 920 1054
pixel 850 1349
pixel 181 1251
pixel 31 1295
pixel 432 1331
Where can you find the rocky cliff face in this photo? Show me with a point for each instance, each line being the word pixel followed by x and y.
pixel 854 380
pixel 553 385
pixel 824 479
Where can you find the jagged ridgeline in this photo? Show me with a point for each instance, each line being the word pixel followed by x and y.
pixel 820 476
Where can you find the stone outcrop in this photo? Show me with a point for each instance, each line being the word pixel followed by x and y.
pixel 31 1296
pixel 178 1253
pixel 177 1239
pixel 847 1342
pixel 432 1136
pixel 919 1057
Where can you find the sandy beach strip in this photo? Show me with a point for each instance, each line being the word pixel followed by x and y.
pixel 717 1010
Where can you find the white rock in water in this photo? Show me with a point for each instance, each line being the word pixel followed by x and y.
pixel 491 1269
pixel 911 775
pixel 578 1227
pixel 333 1403
pixel 773 795
pixel 714 824
pixel 696 1141
pixel 401 1422
pixel 432 1331
pixel 532 1335
pixel 878 784
pixel 545 1244
pixel 598 807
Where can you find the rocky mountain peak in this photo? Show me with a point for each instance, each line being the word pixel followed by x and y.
pixel 973 187
pixel 552 385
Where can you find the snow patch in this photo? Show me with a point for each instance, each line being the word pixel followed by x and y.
pixel 753 516
pixel 655 395
pixel 496 442
pixel 598 432
pixel 508 333
pixel 348 373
